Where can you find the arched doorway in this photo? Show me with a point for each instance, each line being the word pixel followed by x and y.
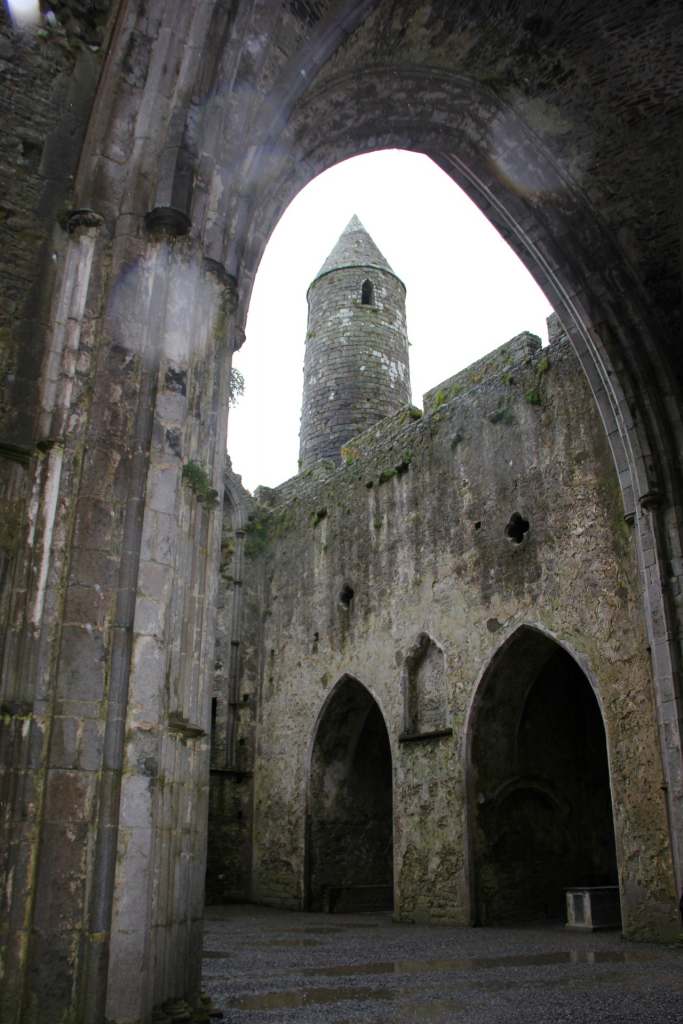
pixel 541 818
pixel 350 819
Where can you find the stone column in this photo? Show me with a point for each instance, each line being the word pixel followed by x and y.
pixel 50 734
pixel 157 907
pixel 108 665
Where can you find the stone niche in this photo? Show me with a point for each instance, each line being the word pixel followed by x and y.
pixel 424 689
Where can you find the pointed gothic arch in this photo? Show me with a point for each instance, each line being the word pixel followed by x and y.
pixel 349 818
pixel 540 806
pixel 367 293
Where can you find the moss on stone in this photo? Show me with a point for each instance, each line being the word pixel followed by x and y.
pixel 283 521
pixel 534 395
pixel 406 458
pixel 257 533
pixel 227 554
pixel 197 479
pixel 11 526
pixel 503 414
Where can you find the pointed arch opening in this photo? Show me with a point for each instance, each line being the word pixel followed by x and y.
pixel 540 804
pixel 310 217
pixel 367 293
pixel 350 805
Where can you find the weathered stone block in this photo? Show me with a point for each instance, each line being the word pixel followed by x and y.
pixel 82 664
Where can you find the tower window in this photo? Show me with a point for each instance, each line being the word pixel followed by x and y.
pixel 214 716
pixel 367 294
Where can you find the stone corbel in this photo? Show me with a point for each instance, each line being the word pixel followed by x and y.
pixel 167 221
pixel 187 730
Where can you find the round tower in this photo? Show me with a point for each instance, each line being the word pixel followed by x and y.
pixel 356 364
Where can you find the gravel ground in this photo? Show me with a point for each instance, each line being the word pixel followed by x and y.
pixel 266 966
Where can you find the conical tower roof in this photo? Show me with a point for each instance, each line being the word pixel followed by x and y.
pixel 355 248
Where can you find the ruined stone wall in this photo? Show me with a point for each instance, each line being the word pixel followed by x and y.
pixel 209 117
pixel 48 80
pixel 411 539
pixel 48 77
pixel 228 870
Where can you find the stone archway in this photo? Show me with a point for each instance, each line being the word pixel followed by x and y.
pixel 185 168
pixel 510 173
pixel 541 809
pixel 349 833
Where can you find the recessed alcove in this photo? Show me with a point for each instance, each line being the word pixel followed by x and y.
pixel 541 808
pixel 350 817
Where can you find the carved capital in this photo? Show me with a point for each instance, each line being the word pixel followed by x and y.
pixel 650 500
pixel 84 218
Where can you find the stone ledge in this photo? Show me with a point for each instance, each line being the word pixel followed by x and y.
pixel 240 774
pixel 188 730
pixel 416 737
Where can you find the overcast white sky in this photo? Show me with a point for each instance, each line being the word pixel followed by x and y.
pixel 467 293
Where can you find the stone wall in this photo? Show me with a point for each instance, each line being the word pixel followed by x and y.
pixel 49 80
pixel 228 872
pixel 412 551
pixel 49 77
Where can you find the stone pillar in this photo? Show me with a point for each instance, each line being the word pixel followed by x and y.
pixel 109 658
pixel 157 909
pixel 51 730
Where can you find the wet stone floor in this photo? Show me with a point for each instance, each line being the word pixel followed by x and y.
pixel 264 966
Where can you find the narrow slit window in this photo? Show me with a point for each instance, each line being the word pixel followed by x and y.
pixel 214 716
pixel 367 294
